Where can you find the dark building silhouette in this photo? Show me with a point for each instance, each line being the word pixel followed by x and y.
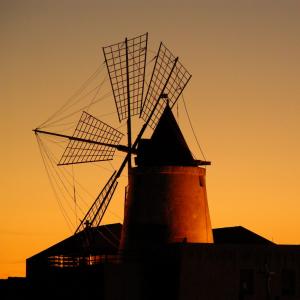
pixel 239 265
pixel 166 248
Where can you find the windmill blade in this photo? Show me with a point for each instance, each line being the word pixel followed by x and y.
pixel 98 209
pixel 168 80
pixel 168 76
pixel 90 128
pixel 126 62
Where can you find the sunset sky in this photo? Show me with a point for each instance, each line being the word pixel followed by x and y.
pixel 243 100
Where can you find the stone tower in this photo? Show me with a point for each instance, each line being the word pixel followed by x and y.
pixel 166 199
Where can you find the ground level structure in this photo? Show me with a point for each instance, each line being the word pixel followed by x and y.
pixel 238 265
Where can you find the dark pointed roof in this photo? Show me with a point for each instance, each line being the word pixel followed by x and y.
pixel 167 145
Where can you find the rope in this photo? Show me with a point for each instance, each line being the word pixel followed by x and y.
pixel 112 234
pixel 99 166
pixel 106 114
pixel 74 194
pixel 51 157
pixel 97 92
pixel 68 181
pixel 111 165
pixel 107 239
pixel 52 185
pixel 80 109
pixel 78 92
pixel 50 122
pixel 193 128
pixel 114 214
pixel 64 169
pixel 55 177
pixel 59 180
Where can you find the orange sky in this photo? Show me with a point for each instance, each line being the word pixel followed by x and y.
pixel 243 99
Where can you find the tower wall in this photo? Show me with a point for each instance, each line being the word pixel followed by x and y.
pixel 165 204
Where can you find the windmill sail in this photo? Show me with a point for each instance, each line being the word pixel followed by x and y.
pixel 98 209
pixel 169 77
pixel 93 140
pixel 126 62
pixel 90 128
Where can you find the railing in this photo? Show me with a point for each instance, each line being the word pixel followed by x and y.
pixel 77 261
pixel 62 261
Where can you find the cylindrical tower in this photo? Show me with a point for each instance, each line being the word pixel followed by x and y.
pixel 165 204
pixel 166 198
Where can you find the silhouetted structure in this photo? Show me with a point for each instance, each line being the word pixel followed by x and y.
pixel 154 255
pixel 239 265
pixel 92 246
pixel 166 248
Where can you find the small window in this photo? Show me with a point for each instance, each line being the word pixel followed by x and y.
pixel 246 282
pixel 288 282
pixel 201 181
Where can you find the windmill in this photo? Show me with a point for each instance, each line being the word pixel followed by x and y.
pixel 94 140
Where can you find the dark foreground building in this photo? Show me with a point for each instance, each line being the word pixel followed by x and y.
pixel 239 265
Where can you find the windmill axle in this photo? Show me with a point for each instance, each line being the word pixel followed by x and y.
pixel 122 148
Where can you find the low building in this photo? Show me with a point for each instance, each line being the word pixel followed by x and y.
pixel 238 265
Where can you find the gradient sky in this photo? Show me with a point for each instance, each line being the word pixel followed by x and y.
pixel 243 99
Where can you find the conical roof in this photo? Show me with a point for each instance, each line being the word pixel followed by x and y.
pixel 167 145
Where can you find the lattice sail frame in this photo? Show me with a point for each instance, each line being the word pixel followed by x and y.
pixel 90 128
pixel 98 209
pixel 166 79
pixel 163 72
pixel 115 58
